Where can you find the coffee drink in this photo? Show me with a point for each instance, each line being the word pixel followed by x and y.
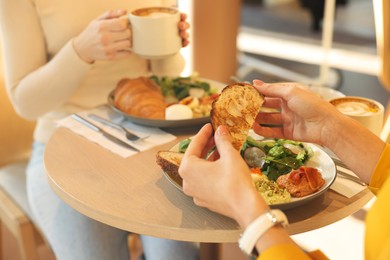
pixel 154 11
pixel 355 106
pixel 155 32
pixel 367 111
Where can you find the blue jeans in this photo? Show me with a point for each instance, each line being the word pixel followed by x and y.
pixel 73 235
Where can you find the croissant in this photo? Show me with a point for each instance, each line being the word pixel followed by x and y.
pixel 140 97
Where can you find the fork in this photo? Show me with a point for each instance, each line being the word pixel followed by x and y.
pixel 345 175
pixel 129 135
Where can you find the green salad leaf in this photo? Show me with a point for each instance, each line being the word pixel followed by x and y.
pixel 179 87
pixel 282 155
pixel 183 145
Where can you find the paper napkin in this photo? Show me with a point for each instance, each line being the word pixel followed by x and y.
pixel 344 186
pixel 155 137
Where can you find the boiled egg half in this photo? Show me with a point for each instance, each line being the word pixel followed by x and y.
pixel 178 112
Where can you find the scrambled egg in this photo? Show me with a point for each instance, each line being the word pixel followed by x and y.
pixel 270 191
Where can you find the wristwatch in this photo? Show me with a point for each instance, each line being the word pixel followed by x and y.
pixel 258 227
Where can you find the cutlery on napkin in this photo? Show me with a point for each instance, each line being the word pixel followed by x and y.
pixel 156 136
pixel 346 183
pixel 129 135
pixel 104 133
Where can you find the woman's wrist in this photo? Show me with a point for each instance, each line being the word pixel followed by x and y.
pixel 259 227
pixel 251 208
pixel 77 51
pixel 336 125
pixel 354 144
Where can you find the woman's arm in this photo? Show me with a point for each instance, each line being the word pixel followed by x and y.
pixel 35 85
pixel 355 145
pixel 307 117
pixel 38 83
pixel 225 185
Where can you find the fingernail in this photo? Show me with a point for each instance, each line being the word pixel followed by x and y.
pixel 222 130
pixel 258 82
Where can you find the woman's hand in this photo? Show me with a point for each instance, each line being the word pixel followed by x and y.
pixel 183 27
pixel 105 38
pixel 306 117
pixel 224 185
pixel 303 115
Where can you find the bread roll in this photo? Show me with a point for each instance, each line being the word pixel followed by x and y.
pixel 236 107
pixel 140 97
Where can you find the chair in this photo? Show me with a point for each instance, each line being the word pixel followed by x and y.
pixel 382 29
pixel 15 143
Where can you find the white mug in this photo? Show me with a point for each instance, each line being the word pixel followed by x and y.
pixel 155 32
pixel 368 112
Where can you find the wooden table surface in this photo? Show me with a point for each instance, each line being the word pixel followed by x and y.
pixel 132 194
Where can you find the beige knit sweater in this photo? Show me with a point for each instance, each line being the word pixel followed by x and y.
pixel 45 78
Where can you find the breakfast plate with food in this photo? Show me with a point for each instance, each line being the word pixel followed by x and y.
pixel 167 102
pixel 286 173
pixel 274 189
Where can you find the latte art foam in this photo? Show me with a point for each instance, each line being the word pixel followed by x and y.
pixel 367 112
pixel 355 108
pixel 155 12
pixel 158 14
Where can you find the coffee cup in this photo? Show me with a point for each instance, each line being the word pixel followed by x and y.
pixel 155 32
pixel 368 112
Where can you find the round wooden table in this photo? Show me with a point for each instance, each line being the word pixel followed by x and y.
pixel 133 194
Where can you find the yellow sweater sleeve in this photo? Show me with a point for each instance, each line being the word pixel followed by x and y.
pixel 290 251
pixel 377 239
pixel 381 172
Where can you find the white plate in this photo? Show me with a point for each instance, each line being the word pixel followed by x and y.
pixel 326 93
pixel 320 160
pixel 167 123
pixel 324 163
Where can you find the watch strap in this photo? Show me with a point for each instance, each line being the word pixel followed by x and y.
pixel 258 227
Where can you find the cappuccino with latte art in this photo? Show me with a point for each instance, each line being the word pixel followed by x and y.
pixel 356 107
pixel 367 111
pixel 155 32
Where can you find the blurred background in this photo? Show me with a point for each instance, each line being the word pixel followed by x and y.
pixel 292 22
pixel 289 24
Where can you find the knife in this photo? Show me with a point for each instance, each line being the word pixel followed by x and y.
pixel 104 133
